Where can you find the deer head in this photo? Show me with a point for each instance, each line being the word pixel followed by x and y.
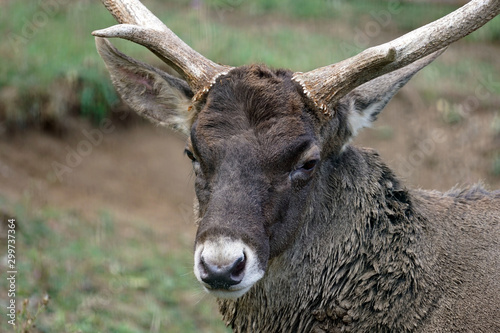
pixel 256 136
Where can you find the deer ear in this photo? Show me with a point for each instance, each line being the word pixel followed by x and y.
pixel 364 103
pixel 152 93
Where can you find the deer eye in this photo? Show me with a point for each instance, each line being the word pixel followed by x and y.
pixel 309 165
pixel 303 172
pixel 190 155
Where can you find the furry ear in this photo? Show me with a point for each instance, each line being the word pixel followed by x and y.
pixel 150 92
pixel 364 103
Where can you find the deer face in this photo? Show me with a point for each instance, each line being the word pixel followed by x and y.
pixel 257 145
pixel 255 153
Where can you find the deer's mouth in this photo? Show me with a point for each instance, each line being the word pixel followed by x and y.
pixel 231 293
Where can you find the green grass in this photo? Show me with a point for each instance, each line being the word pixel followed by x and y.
pixel 102 276
pixel 50 66
pixel 404 16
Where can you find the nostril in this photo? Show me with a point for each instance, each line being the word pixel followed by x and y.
pixel 203 268
pixel 222 276
pixel 238 268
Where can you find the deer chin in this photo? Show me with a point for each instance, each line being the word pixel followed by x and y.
pixel 226 268
pixel 227 294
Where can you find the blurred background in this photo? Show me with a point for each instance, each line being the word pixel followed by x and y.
pixel 103 199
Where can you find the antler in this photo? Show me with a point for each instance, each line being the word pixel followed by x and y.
pixel 140 26
pixel 325 86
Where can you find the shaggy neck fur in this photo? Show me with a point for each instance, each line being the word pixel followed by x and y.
pixel 371 267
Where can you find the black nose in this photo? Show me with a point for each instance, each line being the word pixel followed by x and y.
pixel 222 277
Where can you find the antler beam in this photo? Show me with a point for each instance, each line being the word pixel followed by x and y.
pixel 139 25
pixel 327 85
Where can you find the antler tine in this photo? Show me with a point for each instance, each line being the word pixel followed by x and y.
pixel 325 86
pixel 140 26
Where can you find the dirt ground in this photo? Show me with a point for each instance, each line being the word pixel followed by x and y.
pixel 138 172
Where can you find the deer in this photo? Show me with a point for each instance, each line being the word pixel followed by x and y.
pixel 298 229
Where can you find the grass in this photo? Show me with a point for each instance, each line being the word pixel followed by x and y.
pixel 102 276
pixel 53 67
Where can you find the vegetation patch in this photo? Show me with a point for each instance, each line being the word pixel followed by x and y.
pixel 79 275
pixel 54 71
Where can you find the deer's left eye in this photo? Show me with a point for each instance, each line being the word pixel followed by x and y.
pixel 305 168
pixel 302 174
pixel 309 165
pixel 190 155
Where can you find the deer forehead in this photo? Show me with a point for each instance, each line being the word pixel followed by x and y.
pixel 255 105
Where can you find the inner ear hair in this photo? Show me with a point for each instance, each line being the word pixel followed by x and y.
pixel 368 100
pixel 157 96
